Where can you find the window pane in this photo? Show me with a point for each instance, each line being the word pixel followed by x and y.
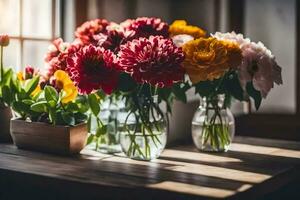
pixel 34 52
pixel 37 18
pixel 12 55
pixel 9 22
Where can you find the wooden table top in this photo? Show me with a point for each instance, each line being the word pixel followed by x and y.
pixel 251 169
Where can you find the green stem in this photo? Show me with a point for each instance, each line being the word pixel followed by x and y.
pixel 1 65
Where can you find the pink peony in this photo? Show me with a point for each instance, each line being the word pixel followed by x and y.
pixel 258 64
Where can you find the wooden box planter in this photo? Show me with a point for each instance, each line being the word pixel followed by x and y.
pixel 5 116
pixel 44 137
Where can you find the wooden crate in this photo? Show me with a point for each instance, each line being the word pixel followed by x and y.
pixel 44 137
pixel 5 116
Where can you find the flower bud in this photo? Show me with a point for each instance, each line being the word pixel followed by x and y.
pixel 29 72
pixel 4 40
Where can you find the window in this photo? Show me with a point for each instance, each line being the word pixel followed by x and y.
pixel 32 25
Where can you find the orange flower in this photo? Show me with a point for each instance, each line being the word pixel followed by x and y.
pixel 180 27
pixel 234 53
pixel 209 58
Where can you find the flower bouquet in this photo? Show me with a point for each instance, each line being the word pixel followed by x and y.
pixel 221 67
pixel 135 61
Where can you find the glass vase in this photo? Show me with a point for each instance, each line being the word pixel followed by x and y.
pixel 144 133
pixel 107 139
pixel 213 125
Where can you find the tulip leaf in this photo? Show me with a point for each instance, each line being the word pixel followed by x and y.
pixel 31 85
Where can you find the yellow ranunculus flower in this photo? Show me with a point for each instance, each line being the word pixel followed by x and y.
pixel 63 81
pixel 209 58
pixel 180 27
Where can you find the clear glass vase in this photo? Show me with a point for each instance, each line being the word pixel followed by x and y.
pixel 213 125
pixel 141 140
pixel 107 140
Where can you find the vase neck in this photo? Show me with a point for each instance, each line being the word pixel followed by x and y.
pixel 215 102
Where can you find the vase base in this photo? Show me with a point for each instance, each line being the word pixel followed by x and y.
pixel 110 150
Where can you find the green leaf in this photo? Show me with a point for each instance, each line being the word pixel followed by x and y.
pixel 28 101
pixel 126 83
pixel 51 94
pixel 205 88
pixel 6 94
pixel 233 86
pixel 31 85
pixel 89 123
pixel 101 94
pixel 72 107
pixel 180 93
pixel 252 92
pixel 101 130
pixel 52 116
pixel 52 103
pixel 68 118
pixel 22 95
pixel 7 77
pixel 80 117
pixel 21 108
pixel 39 107
pixel 94 104
pixel 90 139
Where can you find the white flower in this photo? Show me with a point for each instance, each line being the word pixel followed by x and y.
pixel 258 63
pixel 180 40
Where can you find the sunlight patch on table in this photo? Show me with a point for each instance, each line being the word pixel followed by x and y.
pixel 271 151
pixel 192 189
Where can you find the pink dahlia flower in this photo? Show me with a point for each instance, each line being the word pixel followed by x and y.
pixel 90 29
pixel 113 38
pixel 155 60
pixel 57 54
pixel 93 68
pixel 145 27
pixel 258 63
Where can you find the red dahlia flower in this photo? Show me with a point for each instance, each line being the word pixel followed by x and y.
pixel 90 29
pixel 155 60
pixel 145 27
pixel 93 68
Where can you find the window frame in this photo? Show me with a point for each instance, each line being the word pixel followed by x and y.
pixel 55 28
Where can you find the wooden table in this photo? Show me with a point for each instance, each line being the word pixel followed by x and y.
pixel 252 169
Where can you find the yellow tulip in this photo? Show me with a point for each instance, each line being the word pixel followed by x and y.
pixel 63 81
pixel 20 76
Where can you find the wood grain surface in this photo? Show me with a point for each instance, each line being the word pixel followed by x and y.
pixel 252 169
